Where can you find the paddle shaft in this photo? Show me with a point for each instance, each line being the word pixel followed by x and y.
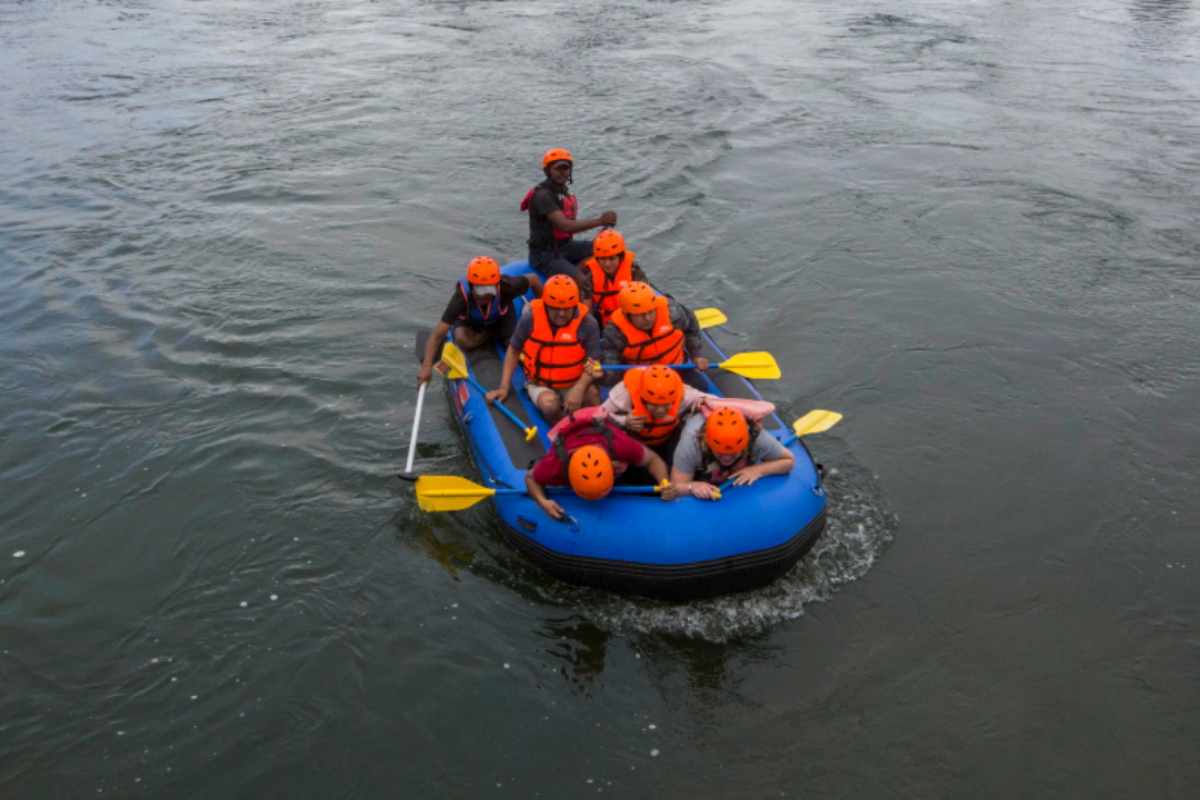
pixel 621 367
pixel 567 489
pixel 498 406
pixel 412 442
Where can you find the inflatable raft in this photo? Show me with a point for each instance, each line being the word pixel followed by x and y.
pixel 638 543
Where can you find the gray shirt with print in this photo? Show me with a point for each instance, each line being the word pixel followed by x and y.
pixel 688 458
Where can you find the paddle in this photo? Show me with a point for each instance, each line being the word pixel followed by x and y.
pixel 816 421
pixel 408 475
pixel 457 362
pixel 759 366
pixel 453 493
pixel 710 317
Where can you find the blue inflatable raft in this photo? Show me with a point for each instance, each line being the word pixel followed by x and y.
pixel 638 543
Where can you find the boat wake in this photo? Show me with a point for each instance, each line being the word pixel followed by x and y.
pixel 859 528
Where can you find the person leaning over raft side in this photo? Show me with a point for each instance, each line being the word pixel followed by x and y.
pixel 602 276
pixel 552 219
pixel 650 328
pixel 480 310
pixel 651 403
pixel 719 447
pixel 558 344
pixel 583 455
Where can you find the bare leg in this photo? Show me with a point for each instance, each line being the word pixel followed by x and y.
pixel 550 404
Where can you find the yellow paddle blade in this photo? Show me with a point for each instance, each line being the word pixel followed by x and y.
pixel 816 421
pixel 454 360
pixel 710 317
pixel 759 366
pixel 449 493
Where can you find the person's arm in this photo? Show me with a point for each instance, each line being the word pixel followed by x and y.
pixel 684 320
pixel 686 459
pixel 560 220
pixel 535 283
pixel 510 365
pixel 693 397
pixel 776 460
pixel 612 345
pixel 585 287
pixel 618 405
pixel 538 494
pixel 545 203
pixel 652 462
pixel 589 337
pixel 432 347
pixel 684 484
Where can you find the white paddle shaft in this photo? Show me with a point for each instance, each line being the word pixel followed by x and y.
pixel 412 443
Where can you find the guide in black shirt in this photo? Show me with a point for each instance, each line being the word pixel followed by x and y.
pixel 552 219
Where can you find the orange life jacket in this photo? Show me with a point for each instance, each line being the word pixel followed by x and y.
pixel 662 345
pixel 606 289
pixel 656 430
pixel 553 357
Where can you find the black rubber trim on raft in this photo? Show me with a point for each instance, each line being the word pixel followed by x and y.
pixel 677 581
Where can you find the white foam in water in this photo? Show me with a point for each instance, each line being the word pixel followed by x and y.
pixel 858 529
pixel 18 554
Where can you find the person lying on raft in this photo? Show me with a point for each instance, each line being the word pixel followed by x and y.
pixel 602 276
pixel 552 218
pixel 725 445
pixel 651 404
pixel 650 328
pixel 557 343
pixel 587 452
pixel 480 310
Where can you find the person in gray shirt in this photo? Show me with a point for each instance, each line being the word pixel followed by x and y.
pixel 725 445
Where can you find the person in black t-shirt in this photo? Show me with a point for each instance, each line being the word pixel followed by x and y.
pixel 480 310
pixel 553 219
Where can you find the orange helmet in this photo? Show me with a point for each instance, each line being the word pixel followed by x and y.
pixel 661 385
pixel 726 432
pixel 608 242
pixel 556 154
pixel 590 472
pixel 560 291
pixel 636 298
pixel 483 271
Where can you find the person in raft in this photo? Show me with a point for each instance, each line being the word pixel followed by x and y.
pixel 558 344
pixel 609 270
pixel 725 445
pixel 587 452
pixel 479 311
pixel 553 219
pixel 650 328
pixel 651 404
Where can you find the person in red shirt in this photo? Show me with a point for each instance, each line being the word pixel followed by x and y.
pixel 586 454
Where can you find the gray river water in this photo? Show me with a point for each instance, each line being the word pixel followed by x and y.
pixel 971 227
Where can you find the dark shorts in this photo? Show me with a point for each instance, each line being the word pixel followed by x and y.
pixel 564 260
